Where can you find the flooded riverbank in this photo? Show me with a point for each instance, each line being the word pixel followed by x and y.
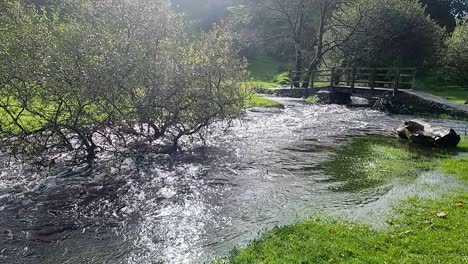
pixel 265 171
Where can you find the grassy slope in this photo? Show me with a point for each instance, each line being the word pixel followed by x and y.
pixel 266 72
pixel 454 93
pixel 417 235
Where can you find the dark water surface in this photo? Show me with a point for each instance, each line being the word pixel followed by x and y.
pixel 202 203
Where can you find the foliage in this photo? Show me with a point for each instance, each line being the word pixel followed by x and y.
pixel 300 26
pixel 456 57
pixel 111 72
pixel 458 165
pixel 312 100
pixel 459 8
pixel 441 12
pixel 391 33
pixel 202 14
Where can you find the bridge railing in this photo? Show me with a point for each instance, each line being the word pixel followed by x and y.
pixel 395 78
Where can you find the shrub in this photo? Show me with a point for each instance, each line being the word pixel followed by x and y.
pixel 456 56
pixel 389 33
pixel 110 73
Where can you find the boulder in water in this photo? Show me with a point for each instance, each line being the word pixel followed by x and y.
pixel 423 133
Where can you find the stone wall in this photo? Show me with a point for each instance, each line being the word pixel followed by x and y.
pixel 410 104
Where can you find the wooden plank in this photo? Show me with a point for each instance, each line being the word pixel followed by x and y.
pixel 397 81
pixel 331 78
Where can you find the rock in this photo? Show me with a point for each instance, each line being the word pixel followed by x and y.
pixel 324 96
pixel 423 133
pixel 340 98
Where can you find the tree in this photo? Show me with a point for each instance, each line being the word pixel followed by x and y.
pixel 111 73
pixel 301 24
pixel 456 57
pixel 391 33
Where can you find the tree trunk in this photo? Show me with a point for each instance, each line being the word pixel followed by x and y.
pixel 297 75
pixel 310 71
pixel 318 52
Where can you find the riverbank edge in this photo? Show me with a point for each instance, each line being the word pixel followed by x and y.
pixel 404 103
pixel 425 231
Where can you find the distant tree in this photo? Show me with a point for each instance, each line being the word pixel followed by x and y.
pixel 446 12
pixel 459 8
pixel 456 57
pixel 441 11
pixel 301 24
pixel 391 33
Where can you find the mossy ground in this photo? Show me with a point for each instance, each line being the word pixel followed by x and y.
pixel 424 231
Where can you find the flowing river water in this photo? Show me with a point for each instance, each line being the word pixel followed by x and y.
pixel 265 171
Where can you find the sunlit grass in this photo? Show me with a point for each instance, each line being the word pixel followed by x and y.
pixel 256 100
pixel 455 93
pixel 423 231
pixel 370 161
pixel 312 100
pixel 266 72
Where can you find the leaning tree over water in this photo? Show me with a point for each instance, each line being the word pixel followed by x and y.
pixel 110 73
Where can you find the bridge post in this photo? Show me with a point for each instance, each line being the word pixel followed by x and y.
pixel 312 77
pixel 397 81
pixel 413 82
pixel 372 83
pixel 291 79
pixel 332 81
pixel 353 79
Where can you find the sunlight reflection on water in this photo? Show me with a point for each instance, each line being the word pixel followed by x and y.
pixel 194 206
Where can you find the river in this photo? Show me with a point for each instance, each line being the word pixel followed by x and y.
pixel 203 202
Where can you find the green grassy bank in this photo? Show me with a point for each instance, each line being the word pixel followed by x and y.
pixel 424 231
pixel 256 100
pixel 266 72
pixel 450 91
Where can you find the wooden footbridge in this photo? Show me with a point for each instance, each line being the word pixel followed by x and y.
pixel 344 82
pixel 340 84
pixel 353 79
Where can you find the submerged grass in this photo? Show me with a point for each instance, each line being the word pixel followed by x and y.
pixel 256 100
pixel 418 235
pixel 372 161
pixel 424 231
pixel 312 100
